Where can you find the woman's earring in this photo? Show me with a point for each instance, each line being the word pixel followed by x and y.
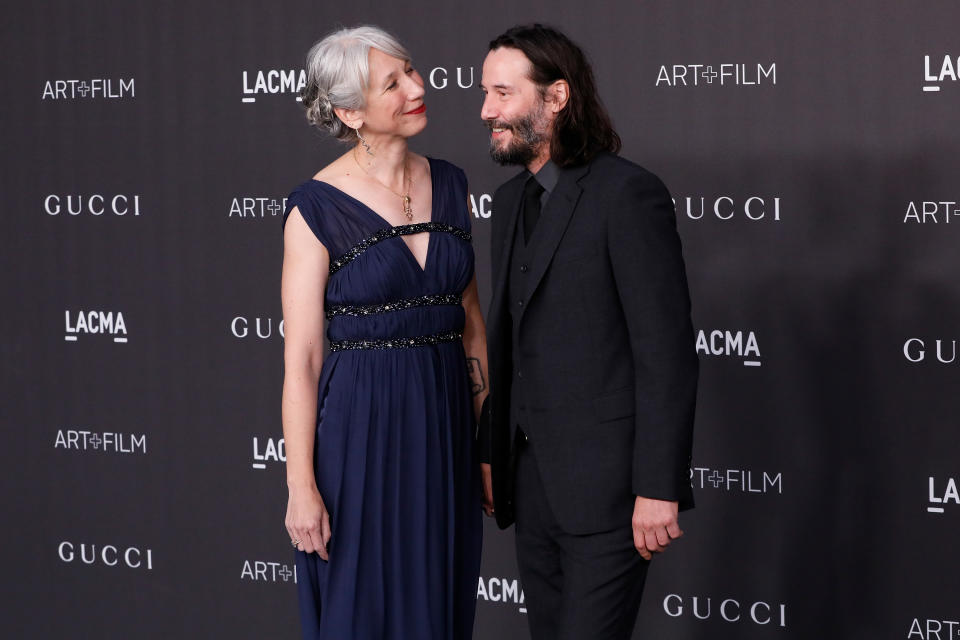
pixel 363 141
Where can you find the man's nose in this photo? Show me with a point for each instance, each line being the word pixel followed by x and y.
pixel 487 112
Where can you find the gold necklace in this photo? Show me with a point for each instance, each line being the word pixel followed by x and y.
pixel 407 209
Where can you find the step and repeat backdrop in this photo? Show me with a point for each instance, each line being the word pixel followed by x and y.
pixel 812 150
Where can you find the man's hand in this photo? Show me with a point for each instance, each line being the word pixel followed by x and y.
pixel 487 476
pixel 654 525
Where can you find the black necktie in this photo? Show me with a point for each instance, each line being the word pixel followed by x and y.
pixel 531 206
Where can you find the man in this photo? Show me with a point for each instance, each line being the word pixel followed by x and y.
pixel 592 363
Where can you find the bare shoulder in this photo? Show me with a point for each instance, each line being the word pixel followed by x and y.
pixel 298 236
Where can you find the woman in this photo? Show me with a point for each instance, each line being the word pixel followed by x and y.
pixel 384 492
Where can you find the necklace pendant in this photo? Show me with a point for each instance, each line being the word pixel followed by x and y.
pixel 407 209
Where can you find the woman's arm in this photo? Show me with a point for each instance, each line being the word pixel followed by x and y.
pixel 475 346
pixel 303 281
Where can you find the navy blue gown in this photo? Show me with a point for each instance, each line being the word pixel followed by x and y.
pixel 395 424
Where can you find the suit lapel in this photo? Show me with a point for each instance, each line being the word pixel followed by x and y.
pixel 554 220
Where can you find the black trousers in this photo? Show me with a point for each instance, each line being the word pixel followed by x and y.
pixel 576 587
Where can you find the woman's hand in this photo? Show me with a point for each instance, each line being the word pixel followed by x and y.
pixel 308 521
pixel 486 474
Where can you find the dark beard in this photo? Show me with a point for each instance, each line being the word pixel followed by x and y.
pixel 526 141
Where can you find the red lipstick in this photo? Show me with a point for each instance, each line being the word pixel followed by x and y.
pixel 416 111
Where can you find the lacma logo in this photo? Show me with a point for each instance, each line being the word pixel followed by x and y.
pixel 937 71
pixel 273 81
pixel 730 343
pixel 939 498
pixel 95 322
pixel 504 590
pixel 481 206
pixel 268 451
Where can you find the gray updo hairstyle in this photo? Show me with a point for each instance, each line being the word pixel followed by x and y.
pixel 338 72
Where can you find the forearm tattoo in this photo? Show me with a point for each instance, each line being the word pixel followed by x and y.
pixel 478 384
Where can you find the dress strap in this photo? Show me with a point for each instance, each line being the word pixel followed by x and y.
pixel 400 230
pixel 396 343
pixel 397 305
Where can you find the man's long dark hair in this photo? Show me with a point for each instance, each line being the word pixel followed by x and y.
pixel 583 128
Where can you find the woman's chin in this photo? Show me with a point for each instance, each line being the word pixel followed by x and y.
pixel 414 128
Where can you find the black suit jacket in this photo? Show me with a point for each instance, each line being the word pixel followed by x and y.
pixel 606 348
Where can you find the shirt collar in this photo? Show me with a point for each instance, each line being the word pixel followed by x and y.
pixel 548 176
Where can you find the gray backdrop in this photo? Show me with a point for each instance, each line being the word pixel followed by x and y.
pixel 812 150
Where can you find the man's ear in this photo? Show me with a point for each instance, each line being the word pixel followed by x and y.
pixel 353 118
pixel 558 93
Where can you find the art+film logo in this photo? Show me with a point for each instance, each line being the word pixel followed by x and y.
pixel 267 82
pixel 243 327
pixel 110 555
pixel 939 69
pixel 503 591
pixel 726 610
pixel 253 207
pixel 717 74
pixel 933 629
pixel 931 211
pixel 264 571
pixel 96 205
pixel 726 208
pixel 730 344
pixel 256 207
pixel 95 323
pixel 92 89
pixel 737 480
pixel 268 450
pixel 100 441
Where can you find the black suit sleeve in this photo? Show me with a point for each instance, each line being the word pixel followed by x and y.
pixel 651 282
pixel 485 425
pixel 484 441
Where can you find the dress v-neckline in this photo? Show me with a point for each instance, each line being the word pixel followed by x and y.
pixel 386 223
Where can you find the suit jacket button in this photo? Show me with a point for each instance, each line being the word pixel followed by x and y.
pixel 519 303
pixel 523 268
